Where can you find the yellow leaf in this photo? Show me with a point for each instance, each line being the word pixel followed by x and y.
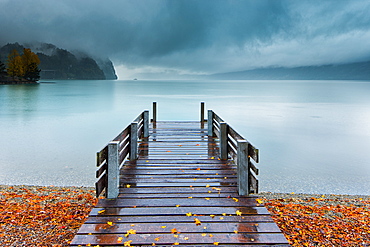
pixel 177 205
pixel 189 214
pixel 260 201
pixel 210 235
pixel 235 231
pixel 212 216
pixel 186 238
pixel 157 239
pixel 235 199
pixel 176 236
pixel 203 234
pixel 119 240
pixel 190 197
pixel 204 227
pixel 128 243
pixel 207 185
pixel 224 214
pixel 197 222
pixel 216 243
pixel 163 226
pixel 174 230
pixel 110 223
pixel 207 198
pixel 128 185
pixel 101 211
pixel 237 212
pixel 176 243
pixel 212 158
pixel 131 231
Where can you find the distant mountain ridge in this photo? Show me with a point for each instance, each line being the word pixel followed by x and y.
pixel 60 64
pixel 350 71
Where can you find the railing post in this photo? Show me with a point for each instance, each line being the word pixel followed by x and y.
pixel 202 112
pixel 243 168
pixel 112 170
pixel 146 123
pixel 133 141
pixel 223 140
pixel 154 112
pixel 210 123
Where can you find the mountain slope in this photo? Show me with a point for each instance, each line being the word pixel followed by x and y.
pixel 61 64
pixel 351 71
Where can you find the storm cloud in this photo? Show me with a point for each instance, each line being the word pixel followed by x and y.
pixel 190 36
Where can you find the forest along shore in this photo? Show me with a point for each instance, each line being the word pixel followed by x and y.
pixel 51 216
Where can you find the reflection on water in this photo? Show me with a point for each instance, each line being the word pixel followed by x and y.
pixel 313 136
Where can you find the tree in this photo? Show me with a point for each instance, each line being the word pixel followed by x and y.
pixel 25 66
pixel 2 70
pixel 30 65
pixel 15 64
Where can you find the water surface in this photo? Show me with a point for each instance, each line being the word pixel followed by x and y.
pixel 313 136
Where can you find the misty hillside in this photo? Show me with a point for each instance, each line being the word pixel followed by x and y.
pixel 350 71
pixel 60 64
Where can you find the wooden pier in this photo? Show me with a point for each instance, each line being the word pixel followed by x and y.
pixel 183 183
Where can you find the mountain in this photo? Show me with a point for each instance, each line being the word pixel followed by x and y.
pixel 60 64
pixel 350 71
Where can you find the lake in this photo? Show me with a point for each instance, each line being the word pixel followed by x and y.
pixel 313 136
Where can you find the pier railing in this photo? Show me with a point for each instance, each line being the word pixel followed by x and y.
pixel 232 146
pixel 113 155
pixel 236 147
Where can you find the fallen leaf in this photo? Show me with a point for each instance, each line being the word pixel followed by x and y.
pixel 197 222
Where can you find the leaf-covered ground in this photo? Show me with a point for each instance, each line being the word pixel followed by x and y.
pixel 42 216
pixel 321 220
pixel 51 216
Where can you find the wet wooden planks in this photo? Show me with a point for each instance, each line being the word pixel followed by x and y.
pixel 179 193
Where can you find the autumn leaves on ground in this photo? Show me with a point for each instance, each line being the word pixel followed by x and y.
pixel 50 216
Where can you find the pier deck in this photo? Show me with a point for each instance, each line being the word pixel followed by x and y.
pixel 179 192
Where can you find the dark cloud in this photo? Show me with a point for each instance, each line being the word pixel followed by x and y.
pixel 195 36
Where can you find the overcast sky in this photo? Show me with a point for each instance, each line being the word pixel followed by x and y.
pixel 195 36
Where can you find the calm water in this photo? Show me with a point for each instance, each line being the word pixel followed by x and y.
pixel 313 136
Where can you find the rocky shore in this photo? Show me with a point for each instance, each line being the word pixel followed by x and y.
pixel 51 216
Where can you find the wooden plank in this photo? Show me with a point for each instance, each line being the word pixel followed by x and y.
pixel 179 211
pixel 184 239
pixel 212 194
pixel 101 156
pixel 193 171
pixel 187 227
pixel 178 218
pixel 101 185
pixel 178 190
pixel 187 202
pixel 184 180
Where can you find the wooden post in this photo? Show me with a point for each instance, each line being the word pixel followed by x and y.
pixel 243 169
pixel 154 112
pixel 223 140
pixel 133 141
pixel 202 112
pixel 112 170
pixel 146 123
pixel 210 123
